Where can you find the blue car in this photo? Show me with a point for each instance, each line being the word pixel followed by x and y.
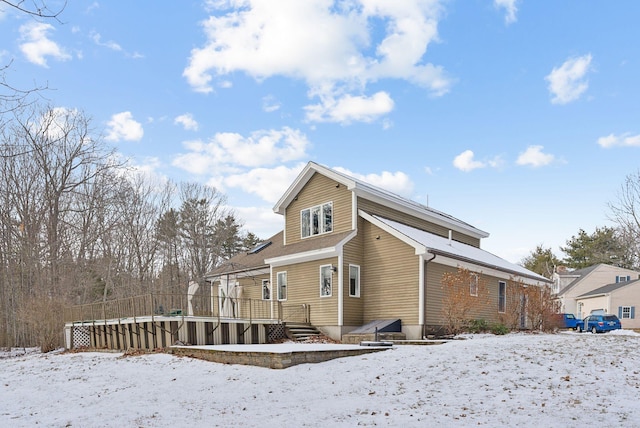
pixel 599 323
pixel 566 321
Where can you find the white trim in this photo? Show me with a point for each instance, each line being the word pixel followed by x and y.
pixel 357 295
pixel 406 208
pixel 272 297
pixel 330 268
pixel 377 195
pixel 309 256
pixel 447 261
pixel 354 211
pixel 306 256
pixel 262 289
pixel 421 286
pixel 340 290
pixel 505 297
pixel 278 286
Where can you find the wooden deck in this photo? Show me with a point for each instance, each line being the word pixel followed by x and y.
pixel 160 321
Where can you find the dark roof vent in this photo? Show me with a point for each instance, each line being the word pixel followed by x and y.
pixel 261 246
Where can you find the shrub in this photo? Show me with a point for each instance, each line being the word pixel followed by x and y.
pixel 42 318
pixel 478 326
pixel 499 329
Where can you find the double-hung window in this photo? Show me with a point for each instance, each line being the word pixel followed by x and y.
pixel 316 220
pixel 627 312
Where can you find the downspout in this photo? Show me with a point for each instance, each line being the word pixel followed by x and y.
pixel 422 294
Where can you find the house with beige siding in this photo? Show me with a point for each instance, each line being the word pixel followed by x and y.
pixel 619 298
pixel 573 285
pixel 351 253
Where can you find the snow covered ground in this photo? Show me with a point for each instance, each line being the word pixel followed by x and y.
pixel 534 380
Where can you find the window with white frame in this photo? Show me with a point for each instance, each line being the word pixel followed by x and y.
pixel 282 285
pixel 316 220
pixel 326 280
pixel 473 285
pixel 626 312
pixel 502 296
pixel 266 289
pixel 354 280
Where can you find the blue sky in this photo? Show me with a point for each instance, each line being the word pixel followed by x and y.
pixel 517 116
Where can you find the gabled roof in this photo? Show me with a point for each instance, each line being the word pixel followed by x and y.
pixel 579 274
pixel 609 288
pixel 434 244
pixel 375 194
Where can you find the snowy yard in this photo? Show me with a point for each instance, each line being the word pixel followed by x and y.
pixel 566 379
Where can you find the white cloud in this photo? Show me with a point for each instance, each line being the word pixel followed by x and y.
pixel 350 108
pixel 110 44
pixel 270 104
pixel 266 183
pixel 465 162
pixel 624 140
pixel 397 182
pixel 510 9
pixel 37 46
pixel 568 82
pixel 261 148
pixel 187 121
pixel 264 38
pixel 122 126
pixel 534 157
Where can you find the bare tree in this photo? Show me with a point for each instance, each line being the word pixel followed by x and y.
pixel 35 8
pixel 465 294
pixel 201 209
pixel 626 213
pixel 11 97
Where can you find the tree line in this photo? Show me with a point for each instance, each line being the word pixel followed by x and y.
pixel 617 245
pixel 78 226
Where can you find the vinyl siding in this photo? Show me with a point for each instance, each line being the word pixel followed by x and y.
pixel 627 296
pixel 353 307
pixel 303 284
pixel 434 295
pixel 390 277
pixel 383 211
pixel 319 190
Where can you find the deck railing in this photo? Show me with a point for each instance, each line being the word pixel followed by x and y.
pixel 183 305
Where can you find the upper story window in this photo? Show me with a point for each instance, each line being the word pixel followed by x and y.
pixel 316 220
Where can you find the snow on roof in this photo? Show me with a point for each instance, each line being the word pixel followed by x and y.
pixel 438 245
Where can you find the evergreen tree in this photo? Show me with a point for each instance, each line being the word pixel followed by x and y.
pixel 541 261
pixel 603 246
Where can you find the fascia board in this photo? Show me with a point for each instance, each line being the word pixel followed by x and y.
pixel 241 273
pixel 302 179
pixel 408 209
pixel 306 256
pixel 456 263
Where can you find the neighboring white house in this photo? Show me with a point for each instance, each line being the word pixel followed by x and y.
pixel 572 285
